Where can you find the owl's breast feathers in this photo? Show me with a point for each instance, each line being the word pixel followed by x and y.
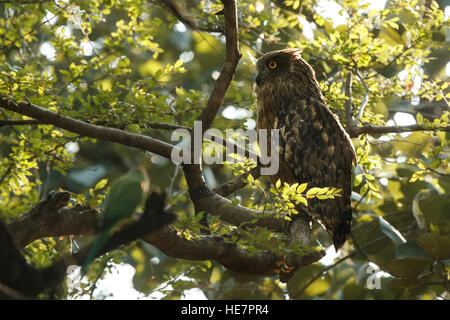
pixel 314 148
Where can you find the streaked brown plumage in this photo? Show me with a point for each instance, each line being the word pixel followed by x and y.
pixel 314 147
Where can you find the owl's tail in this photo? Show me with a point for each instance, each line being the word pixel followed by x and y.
pixel 340 231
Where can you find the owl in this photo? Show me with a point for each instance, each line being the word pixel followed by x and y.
pixel 313 145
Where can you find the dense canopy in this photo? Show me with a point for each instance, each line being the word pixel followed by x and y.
pixel 91 89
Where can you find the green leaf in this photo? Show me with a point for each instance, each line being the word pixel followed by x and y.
pixel 323 190
pixel 101 184
pixel 278 184
pixel 390 231
pixel 419 118
pixel 411 250
pixel 407 268
pixel 301 188
pixel 405 284
pixel 358 179
pixel 302 200
pixel 417 212
pixel 313 191
pixel 436 245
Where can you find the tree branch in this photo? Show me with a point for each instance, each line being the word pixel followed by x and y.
pixel 185 17
pixel 232 147
pixel 214 203
pixel 365 101
pixel 17 274
pixel 237 182
pixel 206 200
pixel 19 122
pixel 348 105
pixel 350 255
pixel 228 254
pixel 51 217
pixel 29 280
pixel 25 1
pixel 89 130
pixel 369 129
pixel 232 57
pixel 151 124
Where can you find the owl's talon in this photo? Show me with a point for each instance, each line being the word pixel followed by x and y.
pixel 286 268
pixel 282 266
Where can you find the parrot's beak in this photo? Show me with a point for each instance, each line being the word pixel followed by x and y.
pixel 145 186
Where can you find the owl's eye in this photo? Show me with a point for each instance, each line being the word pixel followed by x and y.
pixel 272 64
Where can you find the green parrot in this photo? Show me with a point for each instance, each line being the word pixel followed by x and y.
pixel 124 197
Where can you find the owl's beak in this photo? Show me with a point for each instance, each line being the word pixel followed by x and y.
pixel 258 79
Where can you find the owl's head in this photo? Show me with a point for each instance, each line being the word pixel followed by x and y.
pixel 283 69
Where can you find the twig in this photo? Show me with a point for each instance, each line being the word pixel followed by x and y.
pixel 317 276
pixel 185 17
pixel 365 98
pixel 369 129
pixel 25 1
pixel 439 173
pixel 165 126
pixel 7 45
pixel 348 105
pixel 361 249
pixel 233 147
pixel 4 175
pixel 237 182
pixel 361 199
pixel 7 293
pixel 172 180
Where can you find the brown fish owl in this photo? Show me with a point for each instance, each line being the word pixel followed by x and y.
pixel 314 147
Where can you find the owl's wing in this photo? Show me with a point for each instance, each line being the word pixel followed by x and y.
pixel 315 148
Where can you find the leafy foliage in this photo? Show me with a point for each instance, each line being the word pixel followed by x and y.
pixel 130 64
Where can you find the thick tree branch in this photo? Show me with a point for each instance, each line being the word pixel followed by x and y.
pixel 51 217
pixel 151 124
pixel 15 273
pixel 232 57
pixel 89 130
pixel 29 280
pixel 19 122
pixel 206 200
pixel 154 125
pixel 228 254
pixel 217 204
